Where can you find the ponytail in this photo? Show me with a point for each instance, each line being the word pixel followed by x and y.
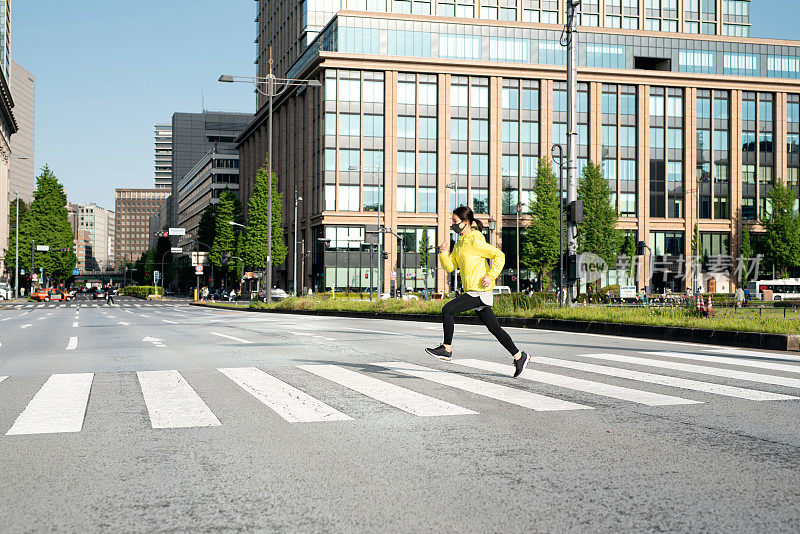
pixel 465 214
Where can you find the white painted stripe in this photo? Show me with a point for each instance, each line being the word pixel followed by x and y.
pixel 402 398
pixel 664 380
pixel 300 333
pixel 240 340
pixel 123 323
pixel 289 402
pixel 6 319
pixel 3 378
pixel 73 343
pixel 730 361
pixel 168 321
pixel 171 401
pixel 579 384
pixel 768 355
pixel 75 324
pixel 59 406
pixel 701 369
pixel 25 326
pixel 370 331
pixel 519 397
pixel 41 318
pixel 143 315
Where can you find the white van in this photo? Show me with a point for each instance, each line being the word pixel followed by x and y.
pixel 6 293
pixel 501 290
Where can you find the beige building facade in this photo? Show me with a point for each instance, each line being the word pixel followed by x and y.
pixel 427 113
pixel 133 209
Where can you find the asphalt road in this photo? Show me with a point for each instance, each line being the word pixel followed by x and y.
pixel 147 417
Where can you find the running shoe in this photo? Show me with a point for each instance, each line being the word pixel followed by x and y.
pixel 441 353
pixel 519 365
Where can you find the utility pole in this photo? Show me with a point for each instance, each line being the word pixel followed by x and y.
pixel 271 91
pixel 16 252
pixel 572 140
pixel 519 208
pixel 296 200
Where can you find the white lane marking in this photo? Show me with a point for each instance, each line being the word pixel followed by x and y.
pixel 59 406
pixel 518 397
pixel 41 318
pixel 3 378
pixel 730 361
pixel 143 315
pixel 168 321
pixel 578 384
pixel 240 340
pixel 287 401
pixel 73 343
pixel 154 340
pixel 51 313
pixel 110 316
pixel 75 324
pixel 25 326
pixel 123 323
pixel 402 398
pixel 665 380
pixel 739 352
pixel 6 319
pixel 701 369
pixel 370 331
pixel 158 344
pixel 299 333
pixel 172 403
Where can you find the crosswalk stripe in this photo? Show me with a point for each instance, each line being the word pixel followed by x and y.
pixel 73 343
pixel 240 340
pixel 664 380
pixel 168 321
pixel 59 406
pixel 701 369
pixel 519 397
pixel 172 402
pixel 578 384
pixel 733 351
pixel 3 378
pixel 729 361
pixel 287 401
pixel 399 397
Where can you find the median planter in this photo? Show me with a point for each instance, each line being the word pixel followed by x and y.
pixel 730 338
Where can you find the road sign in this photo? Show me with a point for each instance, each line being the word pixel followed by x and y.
pixel 198 269
pixel 156 277
pixel 22 271
pixel 177 231
pixel 42 248
pixel 35 277
pixel 176 250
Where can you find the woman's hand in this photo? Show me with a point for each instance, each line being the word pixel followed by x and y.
pixel 443 248
pixel 486 281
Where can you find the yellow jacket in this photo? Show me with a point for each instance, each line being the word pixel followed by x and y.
pixel 470 254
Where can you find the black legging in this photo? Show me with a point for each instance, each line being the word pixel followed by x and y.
pixel 465 302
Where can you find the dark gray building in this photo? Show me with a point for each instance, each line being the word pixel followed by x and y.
pixel 193 135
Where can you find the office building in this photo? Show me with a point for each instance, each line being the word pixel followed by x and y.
pixel 8 127
pixel 193 135
pixel 5 37
pixel 432 105
pixel 163 156
pixel 216 172
pixel 134 207
pixel 22 174
pixel 97 226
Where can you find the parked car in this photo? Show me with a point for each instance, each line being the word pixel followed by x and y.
pixel 50 294
pixel 6 292
pixel 277 294
pixel 99 294
pixel 501 290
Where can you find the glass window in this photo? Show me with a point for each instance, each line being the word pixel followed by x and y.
pixel 349 124
pixel 406 163
pixel 510 131
pixel 529 132
pixel 405 199
pixel 406 93
pixel 479 96
pixel 530 99
pixel 459 46
pixel 348 198
pixel 627 136
pixel 552 53
pixel 330 159
pixel 427 94
pixel 609 103
pixel 479 130
pixel 406 127
pixel 427 163
pixel 373 91
pixel 509 49
pixel 458 129
pixel 459 96
pixel 510 98
pixel 741 64
pixel 427 128
pixel 330 124
pixel 607 56
pixel 348 159
pixel 427 200
pixel 373 126
pixel 350 90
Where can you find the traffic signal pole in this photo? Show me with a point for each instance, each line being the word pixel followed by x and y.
pixel 572 140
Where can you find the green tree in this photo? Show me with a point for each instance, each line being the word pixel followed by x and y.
pixel 540 246
pixel 782 225
pixel 46 222
pixel 207 227
pixel 255 243
pixel 745 253
pixel 424 255
pixel 598 232
pixel 225 235
pixel 629 251
pixel 163 258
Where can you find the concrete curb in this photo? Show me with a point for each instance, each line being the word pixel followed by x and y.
pixel 729 338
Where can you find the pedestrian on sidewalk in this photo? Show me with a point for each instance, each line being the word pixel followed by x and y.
pixel 469 255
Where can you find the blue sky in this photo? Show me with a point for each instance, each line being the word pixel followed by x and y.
pixel 106 71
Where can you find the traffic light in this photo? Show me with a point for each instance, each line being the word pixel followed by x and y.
pixel 640 248
pixel 575 211
pixel 385 255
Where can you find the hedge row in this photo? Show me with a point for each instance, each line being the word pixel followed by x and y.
pixel 142 291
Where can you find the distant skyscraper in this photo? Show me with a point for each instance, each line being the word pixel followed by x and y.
pixel 8 127
pixel 94 225
pixel 5 36
pixel 21 171
pixel 193 135
pixel 163 156
pixel 134 207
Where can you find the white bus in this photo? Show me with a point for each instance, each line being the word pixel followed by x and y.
pixel 787 288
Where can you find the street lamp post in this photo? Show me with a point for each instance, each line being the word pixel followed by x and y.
pixel 454 186
pixel 271 94
pixel 519 208
pixel 560 221
pixel 16 251
pixel 297 199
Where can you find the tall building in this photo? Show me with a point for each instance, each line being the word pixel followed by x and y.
pixel 5 37
pixel 193 135
pixel 22 174
pixel 95 226
pixel 429 106
pixel 163 156
pixel 134 207
pixel 8 127
pixel 216 172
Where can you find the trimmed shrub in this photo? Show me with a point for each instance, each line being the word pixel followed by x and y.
pixel 142 292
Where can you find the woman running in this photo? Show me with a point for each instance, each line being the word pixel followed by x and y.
pixel 469 255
